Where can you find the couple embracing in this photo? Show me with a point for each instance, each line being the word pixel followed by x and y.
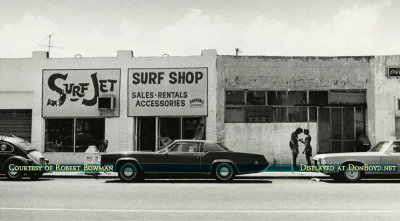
pixel 294 145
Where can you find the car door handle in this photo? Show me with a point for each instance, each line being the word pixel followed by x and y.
pixel 197 155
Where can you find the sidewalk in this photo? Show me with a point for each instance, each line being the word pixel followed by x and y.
pixel 261 175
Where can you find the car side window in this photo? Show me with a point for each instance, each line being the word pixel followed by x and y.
pixel 394 148
pixel 186 147
pixel 212 147
pixel 5 147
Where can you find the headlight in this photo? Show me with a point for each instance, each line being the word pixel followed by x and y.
pixel 322 161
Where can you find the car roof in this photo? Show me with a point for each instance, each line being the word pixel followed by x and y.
pixel 10 139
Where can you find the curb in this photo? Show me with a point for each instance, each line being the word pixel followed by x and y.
pixel 270 175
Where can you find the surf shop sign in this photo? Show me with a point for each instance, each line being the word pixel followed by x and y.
pixel 75 93
pixel 167 92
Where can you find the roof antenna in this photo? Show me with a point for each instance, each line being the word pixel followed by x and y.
pixel 49 46
pixel 238 50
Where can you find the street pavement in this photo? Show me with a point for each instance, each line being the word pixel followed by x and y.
pixel 247 198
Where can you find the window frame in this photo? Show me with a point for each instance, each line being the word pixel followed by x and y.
pixel 74 131
pixel 275 107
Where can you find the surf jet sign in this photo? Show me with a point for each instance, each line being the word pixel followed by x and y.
pixel 167 92
pixel 74 93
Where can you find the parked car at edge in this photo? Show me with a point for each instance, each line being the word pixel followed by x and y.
pixel 182 158
pixel 374 162
pixel 19 152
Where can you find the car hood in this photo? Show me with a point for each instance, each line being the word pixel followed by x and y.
pixel 350 154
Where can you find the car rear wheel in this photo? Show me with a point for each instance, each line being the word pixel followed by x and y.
pixel 130 172
pixel 14 174
pixel 224 172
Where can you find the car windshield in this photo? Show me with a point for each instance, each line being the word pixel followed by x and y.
pixel 164 148
pixel 378 147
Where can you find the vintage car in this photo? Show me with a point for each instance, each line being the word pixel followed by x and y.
pixel 185 158
pixel 16 152
pixel 381 160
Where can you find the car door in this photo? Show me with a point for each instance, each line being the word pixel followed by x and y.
pixel 6 151
pixel 392 157
pixel 183 157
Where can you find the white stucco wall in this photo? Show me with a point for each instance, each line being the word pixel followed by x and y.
pixel 270 139
pixel 382 103
pixel 21 88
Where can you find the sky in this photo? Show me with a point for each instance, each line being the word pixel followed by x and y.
pixel 99 28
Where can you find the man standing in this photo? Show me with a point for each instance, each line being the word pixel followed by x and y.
pixel 294 145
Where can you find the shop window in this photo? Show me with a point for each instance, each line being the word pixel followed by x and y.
pixel 347 97
pixel 312 114
pixel 259 114
pixel 73 135
pixel 193 128
pixel 360 127
pixel 348 123
pixel 276 97
pixel 88 132
pixel 336 120
pixel 279 114
pixel 318 98
pixel 169 129
pixel 297 98
pixel 255 98
pixel 234 115
pixel 297 114
pixel 235 97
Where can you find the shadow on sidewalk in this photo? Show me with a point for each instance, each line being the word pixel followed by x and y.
pixel 371 181
pixel 26 179
pixel 235 181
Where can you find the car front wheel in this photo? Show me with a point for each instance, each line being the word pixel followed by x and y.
pixel 129 172
pixel 351 175
pixel 224 172
pixel 14 174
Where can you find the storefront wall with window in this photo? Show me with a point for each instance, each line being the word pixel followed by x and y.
pixel 264 99
pixel 384 101
pixel 68 100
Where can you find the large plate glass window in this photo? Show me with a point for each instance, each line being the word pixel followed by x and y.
pixel 73 135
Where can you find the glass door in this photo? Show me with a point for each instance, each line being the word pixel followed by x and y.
pixel 339 128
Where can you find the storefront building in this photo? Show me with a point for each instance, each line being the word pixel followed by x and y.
pixel 249 103
pixel 264 99
pixel 63 105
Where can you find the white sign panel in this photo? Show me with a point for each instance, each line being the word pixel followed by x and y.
pixel 75 93
pixel 167 92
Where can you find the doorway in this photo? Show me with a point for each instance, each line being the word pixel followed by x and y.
pixel 154 133
pixel 146 136
pixel 339 128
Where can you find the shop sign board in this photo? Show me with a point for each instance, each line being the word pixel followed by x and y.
pixel 75 92
pixel 167 91
pixel 393 71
